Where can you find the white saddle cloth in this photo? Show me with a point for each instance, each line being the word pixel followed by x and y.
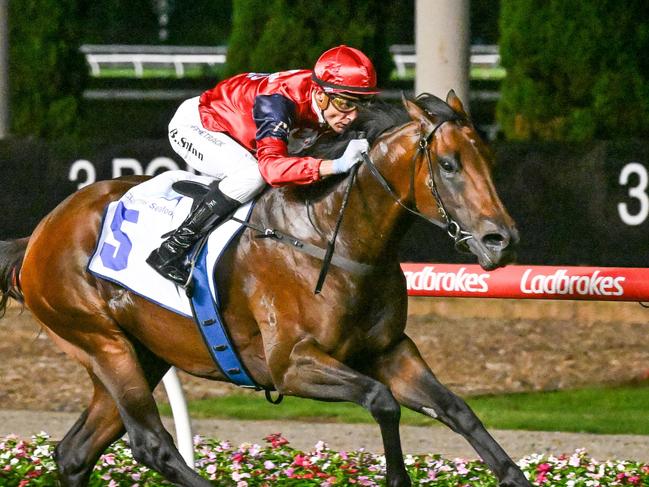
pixel 133 227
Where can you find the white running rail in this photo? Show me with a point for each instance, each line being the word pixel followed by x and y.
pixel 184 435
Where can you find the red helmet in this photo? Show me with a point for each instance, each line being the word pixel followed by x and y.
pixel 344 69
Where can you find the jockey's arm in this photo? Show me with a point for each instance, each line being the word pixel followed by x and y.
pixel 274 117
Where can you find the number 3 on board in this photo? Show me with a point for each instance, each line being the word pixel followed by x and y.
pixel 637 192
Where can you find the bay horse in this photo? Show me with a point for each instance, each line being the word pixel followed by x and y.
pixel 347 343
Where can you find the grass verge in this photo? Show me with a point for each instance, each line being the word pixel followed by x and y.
pixel 603 410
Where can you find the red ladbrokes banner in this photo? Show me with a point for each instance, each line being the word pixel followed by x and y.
pixel 528 282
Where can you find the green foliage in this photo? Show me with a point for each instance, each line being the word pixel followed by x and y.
pixel 248 19
pixel 46 71
pixel 575 70
pixel 277 35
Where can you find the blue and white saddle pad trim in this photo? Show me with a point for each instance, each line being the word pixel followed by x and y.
pixel 133 227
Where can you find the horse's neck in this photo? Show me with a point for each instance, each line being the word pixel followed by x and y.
pixel 372 223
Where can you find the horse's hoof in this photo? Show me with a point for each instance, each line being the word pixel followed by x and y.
pixel 515 479
pixel 400 481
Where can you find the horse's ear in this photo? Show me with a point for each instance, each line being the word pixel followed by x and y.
pixel 418 114
pixel 454 102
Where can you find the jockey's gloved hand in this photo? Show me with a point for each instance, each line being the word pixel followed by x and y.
pixel 351 157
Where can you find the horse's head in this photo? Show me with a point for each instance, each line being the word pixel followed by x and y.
pixel 452 180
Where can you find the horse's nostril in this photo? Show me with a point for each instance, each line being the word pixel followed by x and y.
pixel 495 241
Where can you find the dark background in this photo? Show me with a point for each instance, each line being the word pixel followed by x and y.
pixel 563 196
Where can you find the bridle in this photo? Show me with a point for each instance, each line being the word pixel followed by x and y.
pixel 453 229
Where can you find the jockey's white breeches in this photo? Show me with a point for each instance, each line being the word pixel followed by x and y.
pixel 214 154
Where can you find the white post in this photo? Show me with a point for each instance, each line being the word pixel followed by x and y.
pixel 182 423
pixel 4 69
pixel 442 40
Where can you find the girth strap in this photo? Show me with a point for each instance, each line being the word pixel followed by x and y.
pixel 215 335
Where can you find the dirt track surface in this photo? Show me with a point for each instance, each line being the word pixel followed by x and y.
pixel 474 346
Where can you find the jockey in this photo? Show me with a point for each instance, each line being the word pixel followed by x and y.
pixel 238 132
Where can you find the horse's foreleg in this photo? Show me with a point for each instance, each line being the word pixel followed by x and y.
pixel 99 426
pixel 416 387
pixel 314 374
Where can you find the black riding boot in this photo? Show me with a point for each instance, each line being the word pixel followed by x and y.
pixel 169 259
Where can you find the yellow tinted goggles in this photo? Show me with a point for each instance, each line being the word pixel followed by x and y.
pixel 346 105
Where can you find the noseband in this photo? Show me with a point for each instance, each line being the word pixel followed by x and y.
pixel 453 229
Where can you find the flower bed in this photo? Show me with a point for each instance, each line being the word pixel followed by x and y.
pixel 30 463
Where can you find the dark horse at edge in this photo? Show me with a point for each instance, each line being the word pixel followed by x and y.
pixel 346 344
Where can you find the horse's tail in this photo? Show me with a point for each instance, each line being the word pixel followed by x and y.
pixel 12 253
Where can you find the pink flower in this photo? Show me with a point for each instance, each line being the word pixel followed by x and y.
pixel 301 461
pixel 634 480
pixel 108 459
pixel 544 468
pixel 276 440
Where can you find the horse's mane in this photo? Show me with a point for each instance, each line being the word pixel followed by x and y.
pixel 370 124
pixel 375 120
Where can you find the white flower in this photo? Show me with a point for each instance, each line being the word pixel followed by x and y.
pixel 236 476
pixel 574 461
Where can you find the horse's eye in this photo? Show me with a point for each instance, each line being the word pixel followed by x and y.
pixel 448 165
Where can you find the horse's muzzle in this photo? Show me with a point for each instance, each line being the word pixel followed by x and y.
pixel 495 246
